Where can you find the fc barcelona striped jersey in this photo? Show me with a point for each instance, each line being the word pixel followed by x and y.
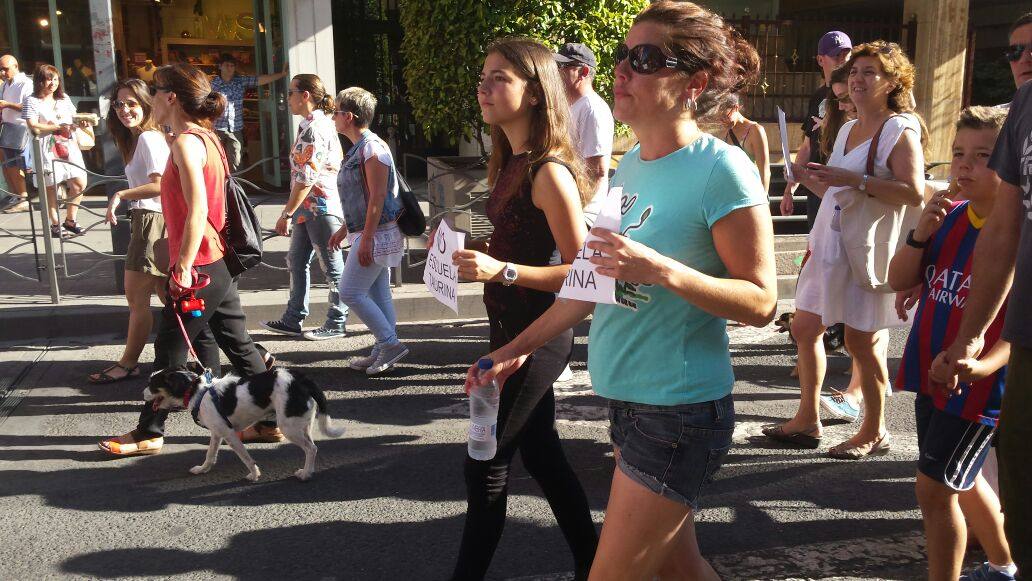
pixel 944 293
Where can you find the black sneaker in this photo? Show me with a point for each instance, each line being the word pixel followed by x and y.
pixel 73 227
pixel 9 201
pixel 281 328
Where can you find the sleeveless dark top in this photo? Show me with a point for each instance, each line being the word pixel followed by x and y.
pixel 521 236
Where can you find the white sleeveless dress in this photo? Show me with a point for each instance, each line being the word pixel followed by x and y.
pixel 826 287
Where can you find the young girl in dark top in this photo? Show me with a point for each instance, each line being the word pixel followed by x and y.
pixel 535 206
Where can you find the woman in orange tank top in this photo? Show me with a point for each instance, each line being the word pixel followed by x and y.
pixel 193 200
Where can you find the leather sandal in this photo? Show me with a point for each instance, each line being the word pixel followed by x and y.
pixel 261 434
pixel 806 439
pixel 103 377
pixel 847 451
pixel 143 447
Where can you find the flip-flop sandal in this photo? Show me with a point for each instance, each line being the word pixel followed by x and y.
pixel 145 447
pixel 103 378
pixel 798 439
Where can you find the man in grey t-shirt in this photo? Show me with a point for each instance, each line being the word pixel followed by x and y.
pixel 1004 250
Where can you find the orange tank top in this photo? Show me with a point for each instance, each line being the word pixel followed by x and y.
pixel 173 202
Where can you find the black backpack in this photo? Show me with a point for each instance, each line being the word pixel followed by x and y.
pixel 242 234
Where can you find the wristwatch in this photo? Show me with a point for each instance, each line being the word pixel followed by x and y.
pixel 509 274
pixel 286 216
pixel 914 243
pixel 863 183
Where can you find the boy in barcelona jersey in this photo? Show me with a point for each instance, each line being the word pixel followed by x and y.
pixel 955 427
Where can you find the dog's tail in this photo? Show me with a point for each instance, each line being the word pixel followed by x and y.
pixel 326 425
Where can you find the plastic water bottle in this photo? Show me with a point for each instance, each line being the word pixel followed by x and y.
pixel 483 417
pixel 836 223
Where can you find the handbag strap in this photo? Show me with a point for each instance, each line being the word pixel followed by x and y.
pixel 206 138
pixel 872 151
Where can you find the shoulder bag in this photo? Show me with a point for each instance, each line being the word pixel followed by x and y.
pixel 242 234
pixel 871 230
pixel 411 221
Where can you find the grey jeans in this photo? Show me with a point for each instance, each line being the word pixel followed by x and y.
pixel 233 143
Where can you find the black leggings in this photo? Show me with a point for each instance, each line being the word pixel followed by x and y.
pixel 224 316
pixel 526 422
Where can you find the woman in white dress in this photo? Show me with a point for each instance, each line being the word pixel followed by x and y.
pixel 881 79
pixel 50 113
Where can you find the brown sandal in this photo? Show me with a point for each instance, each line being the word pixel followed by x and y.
pixel 143 447
pixel 261 434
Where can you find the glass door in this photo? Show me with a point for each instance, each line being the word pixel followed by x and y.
pixel 272 99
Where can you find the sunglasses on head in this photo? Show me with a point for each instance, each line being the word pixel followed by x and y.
pixel 1014 52
pixel 154 89
pixel 648 59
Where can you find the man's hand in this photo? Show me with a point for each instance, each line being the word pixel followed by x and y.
pixel 905 300
pixel 947 366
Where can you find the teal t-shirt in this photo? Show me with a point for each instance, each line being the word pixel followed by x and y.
pixel 654 347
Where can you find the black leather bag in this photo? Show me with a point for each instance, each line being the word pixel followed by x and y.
pixel 411 222
pixel 242 234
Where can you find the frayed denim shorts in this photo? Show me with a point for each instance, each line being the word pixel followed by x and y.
pixel 672 450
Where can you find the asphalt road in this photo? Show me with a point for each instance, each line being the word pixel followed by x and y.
pixel 387 501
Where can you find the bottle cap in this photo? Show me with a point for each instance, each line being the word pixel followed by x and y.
pixel 484 364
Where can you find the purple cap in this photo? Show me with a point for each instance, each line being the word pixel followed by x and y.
pixel 833 43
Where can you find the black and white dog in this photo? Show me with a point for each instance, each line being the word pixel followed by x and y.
pixel 231 404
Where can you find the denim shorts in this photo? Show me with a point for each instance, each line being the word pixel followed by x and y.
pixel 8 154
pixel 672 450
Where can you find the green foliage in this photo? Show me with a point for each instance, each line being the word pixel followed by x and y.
pixel 444 42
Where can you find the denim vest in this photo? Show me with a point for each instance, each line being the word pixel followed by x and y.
pixel 351 188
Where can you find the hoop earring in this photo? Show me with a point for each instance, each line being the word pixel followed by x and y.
pixel 690 105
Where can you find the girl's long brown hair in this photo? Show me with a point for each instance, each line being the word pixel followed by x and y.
pixel 125 138
pixel 549 119
pixel 193 92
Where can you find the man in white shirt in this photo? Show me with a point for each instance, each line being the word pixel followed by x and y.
pixel 592 127
pixel 15 88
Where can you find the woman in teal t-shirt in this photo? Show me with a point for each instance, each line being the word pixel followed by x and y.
pixel 695 249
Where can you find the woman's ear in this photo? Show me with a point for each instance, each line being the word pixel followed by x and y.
pixel 695 86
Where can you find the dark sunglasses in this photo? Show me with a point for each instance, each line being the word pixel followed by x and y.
pixel 648 59
pixel 154 89
pixel 1014 52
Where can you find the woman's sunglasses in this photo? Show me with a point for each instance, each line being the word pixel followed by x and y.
pixel 154 89
pixel 124 104
pixel 648 59
pixel 1015 51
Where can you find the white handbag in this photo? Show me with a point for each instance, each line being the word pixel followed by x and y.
pixel 872 230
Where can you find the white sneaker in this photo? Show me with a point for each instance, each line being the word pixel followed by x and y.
pixel 363 363
pixel 387 357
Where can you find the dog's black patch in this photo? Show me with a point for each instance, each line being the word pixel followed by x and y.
pixel 228 401
pixel 260 387
pixel 302 390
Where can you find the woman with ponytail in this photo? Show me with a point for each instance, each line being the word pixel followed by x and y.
pixel 313 211
pixel 193 201
pixel 695 248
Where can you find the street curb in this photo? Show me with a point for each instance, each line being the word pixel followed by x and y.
pixel 58 321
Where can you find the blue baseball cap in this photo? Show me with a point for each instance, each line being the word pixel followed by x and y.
pixel 833 43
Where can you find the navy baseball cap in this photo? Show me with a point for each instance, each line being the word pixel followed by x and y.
pixel 575 52
pixel 833 43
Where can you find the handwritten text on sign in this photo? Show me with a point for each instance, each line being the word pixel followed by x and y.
pixel 583 283
pixel 440 274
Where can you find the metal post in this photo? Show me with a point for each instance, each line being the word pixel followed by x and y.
pixel 39 165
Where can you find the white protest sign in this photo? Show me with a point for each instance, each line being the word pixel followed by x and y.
pixel 582 282
pixel 785 151
pixel 440 274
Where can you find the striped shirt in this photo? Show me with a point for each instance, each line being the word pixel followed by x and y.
pixel 944 293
